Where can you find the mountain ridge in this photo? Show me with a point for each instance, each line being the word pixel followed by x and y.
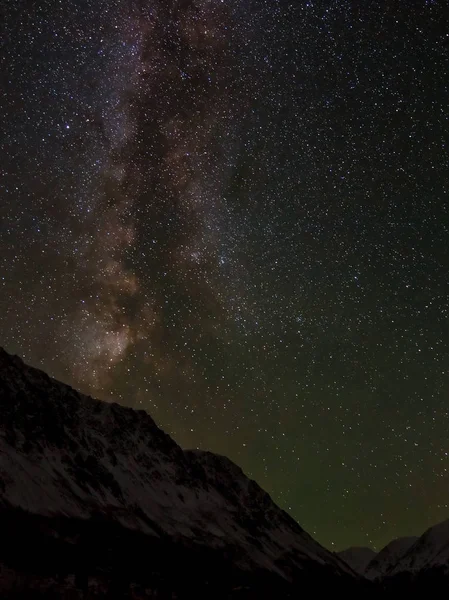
pixel 71 464
pixel 407 561
pixel 357 557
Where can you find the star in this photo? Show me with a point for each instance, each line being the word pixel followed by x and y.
pixel 233 215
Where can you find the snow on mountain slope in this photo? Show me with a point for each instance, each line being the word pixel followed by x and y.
pixel 65 455
pixel 403 556
pixel 387 558
pixel 431 550
pixel 357 557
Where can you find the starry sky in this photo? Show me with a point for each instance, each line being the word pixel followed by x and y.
pixel 234 214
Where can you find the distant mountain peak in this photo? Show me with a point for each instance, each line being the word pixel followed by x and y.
pixel 357 557
pixel 387 557
pixel 429 551
pixel 417 562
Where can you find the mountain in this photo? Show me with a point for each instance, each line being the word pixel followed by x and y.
pixel 97 501
pixel 386 559
pixel 425 564
pixel 408 564
pixel 357 557
pixel 431 550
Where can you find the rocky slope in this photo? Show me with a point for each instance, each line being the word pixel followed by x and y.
pixel 407 564
pixel 424 566
pixel 386 559
pixel 431 550
pixel 97 501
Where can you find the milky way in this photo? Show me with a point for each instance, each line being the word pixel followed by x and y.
pixel 234 215
pixel 167 112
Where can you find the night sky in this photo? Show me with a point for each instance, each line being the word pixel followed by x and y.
pixel 234 214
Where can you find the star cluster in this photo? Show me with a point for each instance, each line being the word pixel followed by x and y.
pixel 234 215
